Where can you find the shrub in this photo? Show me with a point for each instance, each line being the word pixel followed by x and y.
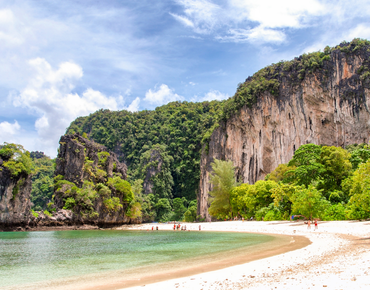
pixel 69 203
pixel 35 214
pixel 112 204
pixel 336 212
pixel 103 158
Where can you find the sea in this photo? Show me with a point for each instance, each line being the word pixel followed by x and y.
pixel 42 258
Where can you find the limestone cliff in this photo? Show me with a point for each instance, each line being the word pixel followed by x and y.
pixel 91 182
pixel 15 203
pixel 329 106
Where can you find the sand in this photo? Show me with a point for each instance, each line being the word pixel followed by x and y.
pixel 337 258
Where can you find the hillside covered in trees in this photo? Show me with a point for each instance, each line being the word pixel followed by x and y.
pixel 162 148
pixel 182 128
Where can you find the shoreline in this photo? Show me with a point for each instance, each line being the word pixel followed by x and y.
pixel 282 244
pixel 337 258
pixel 170 270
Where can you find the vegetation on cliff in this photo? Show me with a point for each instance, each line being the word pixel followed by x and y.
pixel 91 182
pixel 324 182
pixel 184 127
pixel 16 159
pixel 271 78
pixel 42 181
pixel 178 126
pixel 162 148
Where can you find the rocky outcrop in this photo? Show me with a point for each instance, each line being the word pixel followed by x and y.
pixel 15 203
pixel 71 159
pixel 79 161
pixel 330 107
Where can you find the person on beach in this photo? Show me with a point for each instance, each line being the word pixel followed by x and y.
pixel 316 227
pixel 309 225
pixel 199 227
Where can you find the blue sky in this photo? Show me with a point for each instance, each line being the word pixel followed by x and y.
pixel 64 59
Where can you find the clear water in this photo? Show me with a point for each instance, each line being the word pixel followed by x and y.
pixel 28 257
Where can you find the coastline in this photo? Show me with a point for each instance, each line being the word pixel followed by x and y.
pixel 337 258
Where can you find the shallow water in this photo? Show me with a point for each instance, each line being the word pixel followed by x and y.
pixel 29 257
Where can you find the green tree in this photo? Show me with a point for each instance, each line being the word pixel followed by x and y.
pixel 360 155
pixel 359 203
pixel 42 182
pixel 336 168
pixel 178 208
pixel 309 202
pixel 336 212
pixel 156 163
pixel 16 159
pixel 223 182
pixel 281 173
pixel 148 208
pixel 191 213
pixel 308 166
pixel 137 188
pixel 237 200
pixel 163 210
pixel 259 195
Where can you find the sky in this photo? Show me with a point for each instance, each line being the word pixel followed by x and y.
pixel 63 59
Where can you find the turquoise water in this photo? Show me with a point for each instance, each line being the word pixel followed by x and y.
pixel 28 257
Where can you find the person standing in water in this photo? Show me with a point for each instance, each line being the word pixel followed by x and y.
pixel 316 227
pixel 309 225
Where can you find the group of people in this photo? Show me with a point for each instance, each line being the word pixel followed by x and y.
pixel 309 224
pixel 179 227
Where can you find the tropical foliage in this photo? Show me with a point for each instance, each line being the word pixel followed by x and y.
pixel 326 182
pixel 42 181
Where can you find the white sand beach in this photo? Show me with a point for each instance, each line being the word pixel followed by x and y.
pixel 337 258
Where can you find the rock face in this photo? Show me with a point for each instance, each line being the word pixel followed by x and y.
pixel 15 203
pixel 71 164
pixel 71 158
pixel 331 109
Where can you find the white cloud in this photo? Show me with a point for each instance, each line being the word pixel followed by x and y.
pixel 8 130
pixel 183 20
pixel 249 20
pixel 71 30
pixel 200 15
pixel 134 106
pixel 49 94
pixel 162 95
pixel 211 96
pixel 360 31
pixel 278 14
pixel 257 34
pixel 214 95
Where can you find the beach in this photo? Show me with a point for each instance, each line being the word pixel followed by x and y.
pixel 338 257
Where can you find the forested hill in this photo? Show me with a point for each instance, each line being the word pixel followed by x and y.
pixel 179 126
pixel 182 127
